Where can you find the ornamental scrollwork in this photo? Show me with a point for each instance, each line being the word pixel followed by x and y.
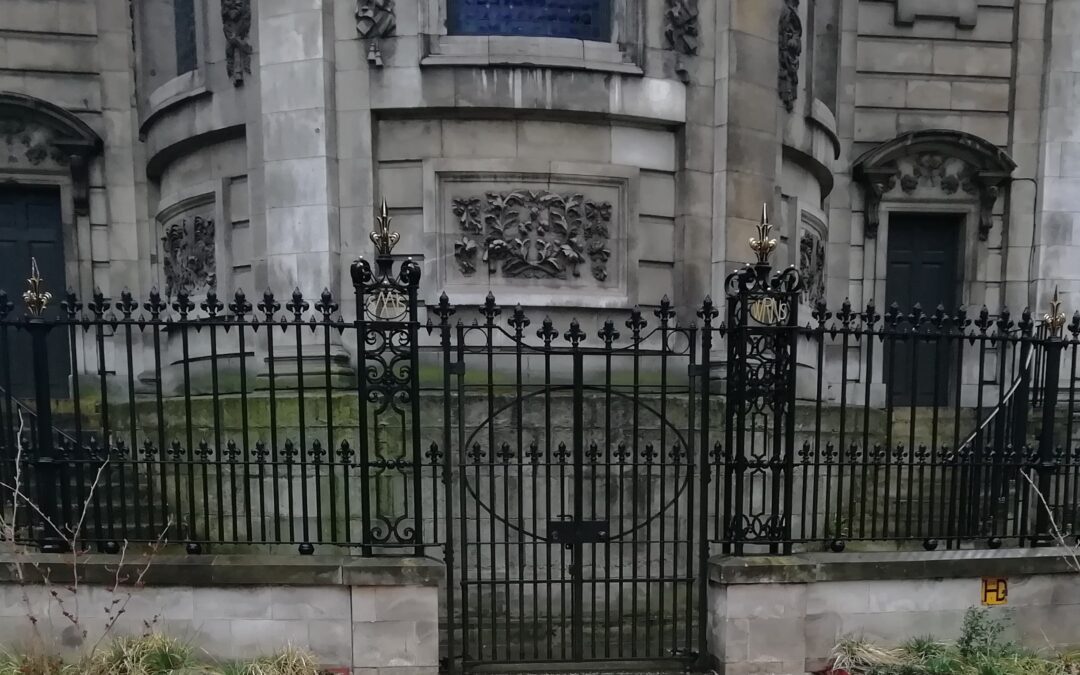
pixel 791 47
pixel 533 234
pixel 375 18
pixel 189 260
pixel 236 24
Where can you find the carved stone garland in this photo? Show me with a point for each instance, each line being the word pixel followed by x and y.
pixel 190 263
pixel 812 266
pixel 236 24
pixel 533 234
pixel 791 47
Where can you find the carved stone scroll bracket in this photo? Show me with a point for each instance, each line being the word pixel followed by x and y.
pixel 937 165
pixel 791 48
pixel 236 24
pixel 682 26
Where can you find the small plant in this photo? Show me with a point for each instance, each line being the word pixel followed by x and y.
pixel 981 634
pixel 981 650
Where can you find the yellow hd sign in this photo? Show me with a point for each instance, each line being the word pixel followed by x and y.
pixel 995 591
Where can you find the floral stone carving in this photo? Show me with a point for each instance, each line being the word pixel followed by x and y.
pixel 236 24
pixel 189 263
pixel 533 234
pixel 791 47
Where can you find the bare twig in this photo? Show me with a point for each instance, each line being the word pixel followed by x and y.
pixel 1055 529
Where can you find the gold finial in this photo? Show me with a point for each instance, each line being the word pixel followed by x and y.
pixel 1055 320
pixel 382 237
pixel 35 297
pixel 763 245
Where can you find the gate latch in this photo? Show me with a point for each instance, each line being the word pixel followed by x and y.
pixel 570 532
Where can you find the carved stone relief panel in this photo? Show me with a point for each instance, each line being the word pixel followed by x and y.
pixel 812 267
pixel 533 232
pixel 189 246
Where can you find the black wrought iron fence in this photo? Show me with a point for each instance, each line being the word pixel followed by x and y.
pixel 390 427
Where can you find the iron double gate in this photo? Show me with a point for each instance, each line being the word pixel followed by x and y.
pixel 577 479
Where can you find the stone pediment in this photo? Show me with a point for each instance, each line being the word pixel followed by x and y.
pixel 933 165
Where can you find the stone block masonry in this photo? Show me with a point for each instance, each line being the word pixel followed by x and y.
pixel 784 616
pixel 357 615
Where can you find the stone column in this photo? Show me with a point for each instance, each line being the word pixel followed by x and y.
pixel 1057 239
pixel 296 75
pixel 748 129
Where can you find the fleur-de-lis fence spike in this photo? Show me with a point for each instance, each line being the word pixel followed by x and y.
pixel 36 297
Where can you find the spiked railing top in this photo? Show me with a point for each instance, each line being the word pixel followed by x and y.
pixel 1055 319
pixel 384 239
pixel 763 244
pixel 36 297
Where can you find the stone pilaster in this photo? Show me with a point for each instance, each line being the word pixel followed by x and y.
pixel 747 131
pixel 299 138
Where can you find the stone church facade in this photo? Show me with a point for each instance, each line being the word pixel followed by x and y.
pixel 584 156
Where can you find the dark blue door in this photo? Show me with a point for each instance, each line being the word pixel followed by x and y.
pixel 31 227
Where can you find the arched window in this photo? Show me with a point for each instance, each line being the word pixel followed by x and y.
pixel 580 19
pixel 184 30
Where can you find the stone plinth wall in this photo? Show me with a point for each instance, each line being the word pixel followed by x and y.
pixel 356 615
pixel 785 615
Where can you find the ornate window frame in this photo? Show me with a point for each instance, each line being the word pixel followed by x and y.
pixel 623 53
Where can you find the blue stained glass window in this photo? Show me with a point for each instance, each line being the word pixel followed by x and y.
pixel 581 19
pixel 186 51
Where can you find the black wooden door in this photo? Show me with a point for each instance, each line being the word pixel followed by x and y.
pixel 922 271
pixel 30 227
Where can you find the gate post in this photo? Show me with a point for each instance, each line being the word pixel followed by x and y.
pixel 42 460
pixel 762 309
pixel 1047 464
pixel 387 327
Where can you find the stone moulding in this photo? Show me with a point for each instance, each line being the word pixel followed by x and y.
pixel 964 12
pixel 236 24
pixel 936 164
pixel 533 234
pixel 791 47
